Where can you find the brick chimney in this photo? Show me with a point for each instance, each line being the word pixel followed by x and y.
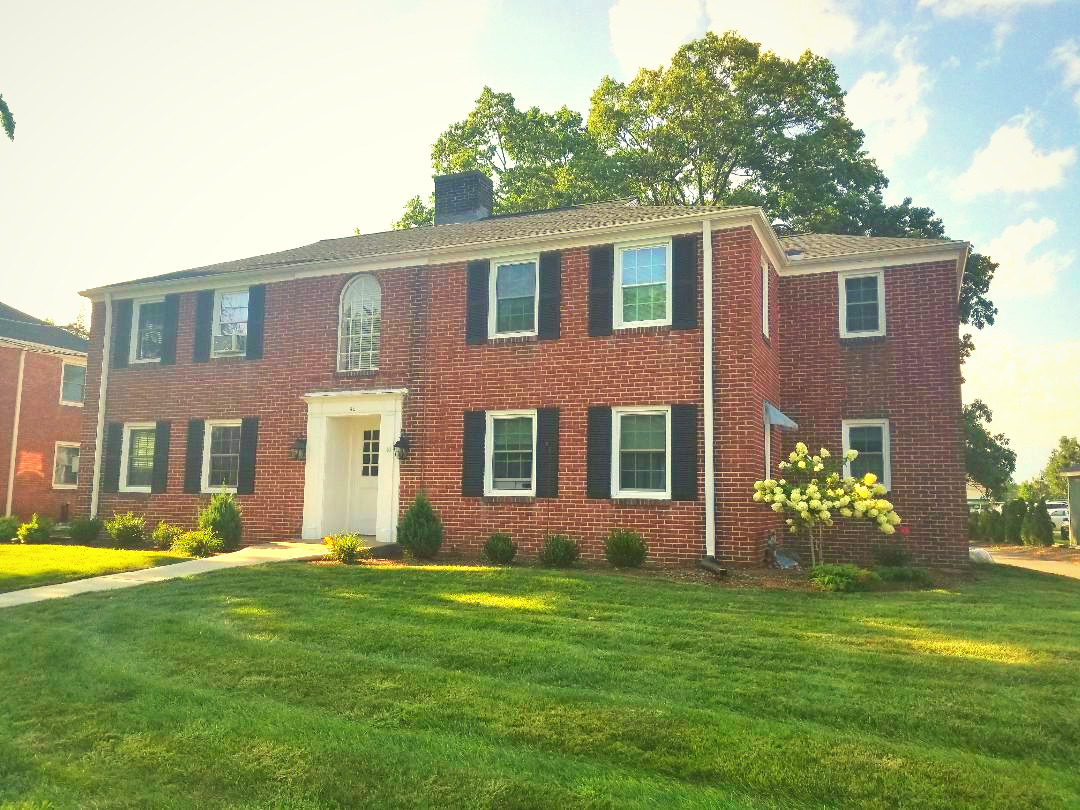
pixel 464 197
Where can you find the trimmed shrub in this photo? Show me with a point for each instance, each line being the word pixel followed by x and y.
pixel 127 530
pixel 165 534
pixel 420 532
pixel 500 549
pixel 990 526
pixel 198 543
pixel 223 517
pixel 843 578
pixel 1037 528
pixel 904 575
pixel 625 549
pixel 559 551
pixel 346 548
pixel 892 555
pixel 975 528
pixel 84 530
pixel 9 528
pixel 1012 515
pixel 36 530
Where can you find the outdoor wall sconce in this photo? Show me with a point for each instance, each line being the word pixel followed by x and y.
pixel 401 447
pixel 298 452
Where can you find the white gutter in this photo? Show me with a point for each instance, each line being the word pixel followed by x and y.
pixel 15 434
pixel 710 409
pixel 99 440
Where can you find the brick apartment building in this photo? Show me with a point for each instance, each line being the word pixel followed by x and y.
pixel 43 373
pixel 568 370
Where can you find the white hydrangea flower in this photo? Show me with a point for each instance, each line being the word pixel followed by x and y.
pixel 800 448
pixel 824 452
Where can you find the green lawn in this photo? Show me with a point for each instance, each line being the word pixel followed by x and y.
pixel 304 686
pixel 33 565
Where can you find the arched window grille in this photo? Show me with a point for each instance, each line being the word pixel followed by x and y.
pixel 360 325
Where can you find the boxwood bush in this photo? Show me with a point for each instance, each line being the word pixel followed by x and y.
pixel 559 551
pixel 223 517
pixel 127 530
pixel 500 548
pixel 843 578
pixel 164 535
pixel 198 543
pixel 9 528
pixel 625 549
pixel 84 530
pixel 36 530
pixel 346 548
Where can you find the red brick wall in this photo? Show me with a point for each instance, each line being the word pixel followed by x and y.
pixel 43 421
pixel 911 376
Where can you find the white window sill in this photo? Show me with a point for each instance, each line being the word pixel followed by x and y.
pixel 219 490
pixel 143 361
pixel 137 490
pixel 65 486
pixel 516 493
pixel 642 324
pixel 875 333
pixel 72 404
pixel 644 494
pixel 508 335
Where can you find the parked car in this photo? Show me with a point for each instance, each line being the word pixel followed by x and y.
pixel 1059 515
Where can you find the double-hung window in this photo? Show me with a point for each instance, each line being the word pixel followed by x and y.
pixel 137 457
pixel 511 453
pixel 66 465
pixel 862 304
pixel 72 383
pixel 870 437
pixel 147 329
pixel 642 285
pixel 513 297
pixel 229 335
pixel 221 456
pixel 641 461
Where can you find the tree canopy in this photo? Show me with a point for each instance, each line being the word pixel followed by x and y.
pixel 1050 483
pixel 988 460
pixel 7 120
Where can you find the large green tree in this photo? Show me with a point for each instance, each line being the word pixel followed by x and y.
pixel 7 120
pixel 989 461
pixel 1050 484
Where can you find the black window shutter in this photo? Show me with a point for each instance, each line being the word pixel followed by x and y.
pixel 249 439
pixel 547 453
pixel 110 468
pixel 204 323
pixel 172 325
pixel 256 319
pixel 598 453
pixel 476 301
pixel 550 315
pixel 472 454
pixel 160 478
pixel 684 453
pixel 684 284
pixel 121 345
pixel 194 455
pixel 601 281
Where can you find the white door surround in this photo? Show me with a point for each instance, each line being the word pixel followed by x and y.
pixel 330 434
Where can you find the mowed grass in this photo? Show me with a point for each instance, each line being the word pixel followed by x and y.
pixel 32 565
pixel 303 686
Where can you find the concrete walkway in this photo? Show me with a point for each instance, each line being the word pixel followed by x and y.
pixel 249 555
pixel 1062 569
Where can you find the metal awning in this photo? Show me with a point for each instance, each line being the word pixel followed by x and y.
pixel 774 416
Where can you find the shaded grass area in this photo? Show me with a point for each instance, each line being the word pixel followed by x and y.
pixel 32 565
pixel 325 686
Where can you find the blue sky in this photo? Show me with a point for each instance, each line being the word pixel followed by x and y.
pixel 153 137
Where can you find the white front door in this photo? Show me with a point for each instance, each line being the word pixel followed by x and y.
pixel 363 486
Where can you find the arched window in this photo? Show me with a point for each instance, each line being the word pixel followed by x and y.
pixel 360 325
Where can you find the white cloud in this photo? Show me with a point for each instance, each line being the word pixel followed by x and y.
pixel 1010 162
pixel 646 33
pixel 1032 390
pixel 1019 273
pixel 891 110
pixel 787 27
pixel 1067 54
pixel 973 8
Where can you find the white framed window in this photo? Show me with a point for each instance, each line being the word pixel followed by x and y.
pixel 862 303
pixel 72 383
pixel 641 452
pixel 65 465
pixel 221 456
pixel 137 457
pixel 513 297
pixel 870 437
pixel 764 298
pixel 147 329
pixel 360 324
pixel 642 294
pixel 228 337
pixel 510 450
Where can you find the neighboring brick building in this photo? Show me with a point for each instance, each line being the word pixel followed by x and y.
pixel 43 371
pixel 533 373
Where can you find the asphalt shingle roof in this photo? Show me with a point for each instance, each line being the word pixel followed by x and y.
pixel 20 326
pixel 823 245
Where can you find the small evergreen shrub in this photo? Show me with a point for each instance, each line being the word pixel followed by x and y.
pixel 346 548
pixel 84 530
pixel 223 517
pixel 127 530
pixel 1012 515
pixel 559 551
pixel 420 532
pixel 500 549
pixel 9 528
pixel 198 543
pixel 1037 528
pixel 1063 532
pixel 904 575
pixel 990 526
pixel 843 578
pixel 165 534
pixel 625 549
pixel 36 530
pixel 892 554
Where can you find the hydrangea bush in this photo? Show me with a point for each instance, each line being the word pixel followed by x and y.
pixel 814 492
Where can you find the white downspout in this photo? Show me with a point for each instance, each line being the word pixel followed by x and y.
pixel 15 434
pixel 710 408
pixel 99 440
